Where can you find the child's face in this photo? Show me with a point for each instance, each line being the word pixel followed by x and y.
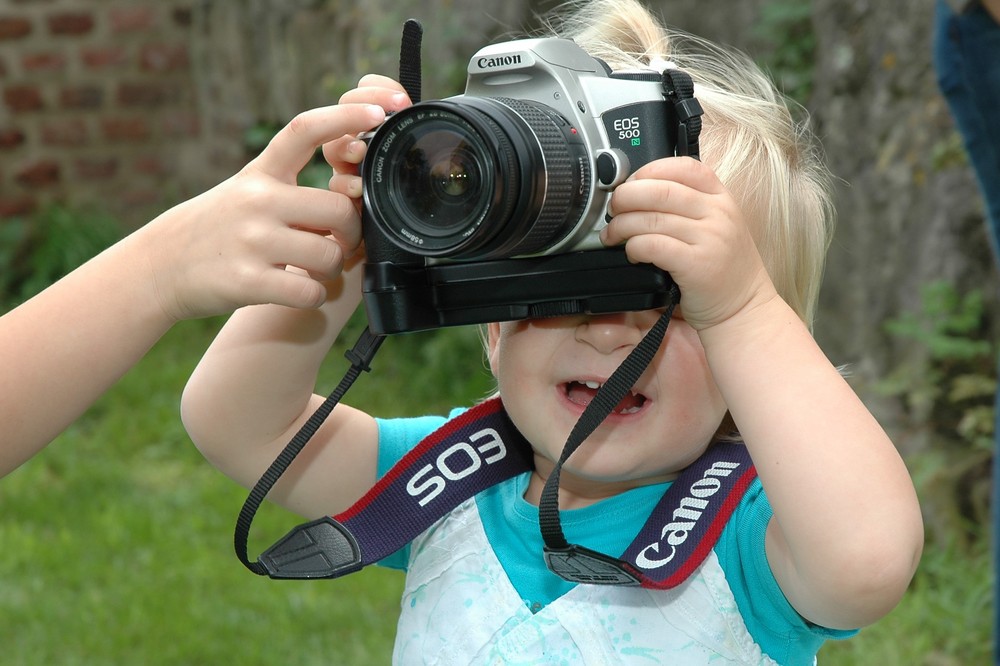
pixel 548 370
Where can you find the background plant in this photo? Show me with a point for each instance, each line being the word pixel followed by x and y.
pixel 946 388
pixel 38 250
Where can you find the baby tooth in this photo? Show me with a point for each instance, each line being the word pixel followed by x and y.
pixel 592 385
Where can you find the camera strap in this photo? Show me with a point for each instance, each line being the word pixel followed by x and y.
pixel 480 448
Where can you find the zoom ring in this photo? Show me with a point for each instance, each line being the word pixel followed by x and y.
pixel 562 186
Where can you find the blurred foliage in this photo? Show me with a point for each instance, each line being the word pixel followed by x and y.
pixel 947 391
pixel 38 250
pixel 786 27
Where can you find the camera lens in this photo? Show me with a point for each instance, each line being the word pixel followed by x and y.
pixel 475 178
pixel 441 180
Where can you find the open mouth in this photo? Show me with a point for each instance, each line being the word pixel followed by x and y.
pixel 583 392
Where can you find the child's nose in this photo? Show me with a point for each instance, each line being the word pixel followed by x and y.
pixel 609 332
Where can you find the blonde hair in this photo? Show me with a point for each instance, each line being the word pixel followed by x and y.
pixel 769 161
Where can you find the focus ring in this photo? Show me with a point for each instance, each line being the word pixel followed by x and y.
pixel 561 185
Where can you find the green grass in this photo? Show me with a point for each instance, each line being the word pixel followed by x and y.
pixel 116 542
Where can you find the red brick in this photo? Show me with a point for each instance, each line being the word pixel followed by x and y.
pixel 70 23
pixel 70 132
pixel 11 138
pixel 96 168
pixel 17 206
pixel 163 57
pixel 182 16
pixel 43 62
pixel 144 94
pixel 182 125
pixel 132 19
pixel 99 57
pixel 149 165
pixel 39 174
pixel 81 97
pixel 14 27
pixel 23 98
pixel 125 129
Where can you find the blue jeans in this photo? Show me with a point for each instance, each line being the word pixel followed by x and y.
pixel 967 62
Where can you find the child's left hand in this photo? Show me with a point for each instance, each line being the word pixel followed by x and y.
pixel 675 213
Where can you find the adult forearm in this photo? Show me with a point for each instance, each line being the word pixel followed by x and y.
pixel 64 348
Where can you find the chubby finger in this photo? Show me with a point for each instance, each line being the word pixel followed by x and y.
pixel 657 195
pixel 295 144
pixel 345 154
pixel 652 206
pixel 379 81
pixel 348 185
pixel 685 170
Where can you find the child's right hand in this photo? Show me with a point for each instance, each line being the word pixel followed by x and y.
pixel 229 247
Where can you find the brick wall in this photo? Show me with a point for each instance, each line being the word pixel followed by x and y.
pixel 97 105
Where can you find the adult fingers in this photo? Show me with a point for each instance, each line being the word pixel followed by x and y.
pixel 296 290
pixel 281 205
pixel 296 143
pixel 311 252
pixel 326 212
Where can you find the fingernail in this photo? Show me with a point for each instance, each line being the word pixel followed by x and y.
pixel 376 112
pixel 399 99
pixel 354 186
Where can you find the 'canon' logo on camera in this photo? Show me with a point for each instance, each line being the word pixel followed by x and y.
pixel 498 61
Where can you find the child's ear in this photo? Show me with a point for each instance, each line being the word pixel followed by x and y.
pixel 492 345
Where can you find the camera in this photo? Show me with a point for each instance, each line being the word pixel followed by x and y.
pixel 487 206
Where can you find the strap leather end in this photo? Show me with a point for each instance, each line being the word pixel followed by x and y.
pixel 322 548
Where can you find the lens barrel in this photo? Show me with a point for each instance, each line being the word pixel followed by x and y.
pixel 476 178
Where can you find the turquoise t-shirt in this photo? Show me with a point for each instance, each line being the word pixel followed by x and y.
pixel 608 526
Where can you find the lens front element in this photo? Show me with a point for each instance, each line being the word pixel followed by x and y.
pixel 443 181
pixel 475 178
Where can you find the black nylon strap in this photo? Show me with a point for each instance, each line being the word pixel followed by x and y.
pixel 679 88
pixel 571 561
pixel 409 59
pixel 607 397
pixel 360 356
